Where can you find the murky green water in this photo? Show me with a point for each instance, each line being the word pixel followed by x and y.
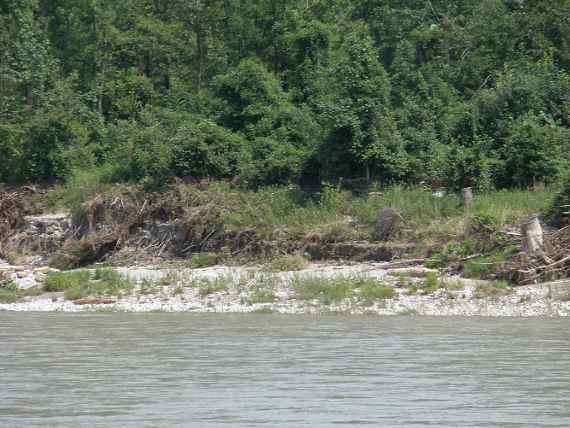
pixel 148 370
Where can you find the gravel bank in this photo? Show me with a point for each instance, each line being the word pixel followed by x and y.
pixel 176 290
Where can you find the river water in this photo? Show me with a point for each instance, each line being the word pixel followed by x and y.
pixel 149 370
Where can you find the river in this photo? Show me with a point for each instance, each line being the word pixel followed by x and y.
pixel 149 370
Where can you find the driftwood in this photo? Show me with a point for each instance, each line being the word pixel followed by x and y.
pixel 404 263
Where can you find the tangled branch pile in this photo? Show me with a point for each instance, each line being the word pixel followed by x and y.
pixel 11 213
pixel 548 265
pixel 179 221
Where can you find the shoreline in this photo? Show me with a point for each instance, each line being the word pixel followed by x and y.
pixel 178 290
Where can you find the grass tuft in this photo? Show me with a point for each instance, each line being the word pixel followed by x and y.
pixel 80 284
pixel 211 286
pixel 61 281
pixel 204 260
pixel 492 290
pixel 335 290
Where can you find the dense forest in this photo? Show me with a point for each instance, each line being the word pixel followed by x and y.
pixel 468 92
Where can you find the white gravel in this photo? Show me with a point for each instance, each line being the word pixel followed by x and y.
pixel 174 290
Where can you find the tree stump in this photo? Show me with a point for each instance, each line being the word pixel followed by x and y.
pixel 387 221
pixel 467 197
pixel 532 236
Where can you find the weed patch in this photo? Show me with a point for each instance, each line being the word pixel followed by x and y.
pixel 286 263
pixel 81 284
pixel 12 294
pixel 61 281
pixel 210 286
pixel 204 260
pixel 492 290
pixel 372 290
pixel 335 290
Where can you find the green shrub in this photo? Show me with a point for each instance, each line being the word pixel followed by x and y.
pixel 61 281
pixel 79 284
pixel 492 290
pixel 287 263
pixel 203 260
pixel 210 286
pixel 555 215
pixel 327 290
pixel 487 267
pixel 373 290
pixel 11 293
pixel 261 296
pixel 337 289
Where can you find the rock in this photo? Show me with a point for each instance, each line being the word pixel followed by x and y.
pixel 387 221
pixel 12 268
pixel 43 269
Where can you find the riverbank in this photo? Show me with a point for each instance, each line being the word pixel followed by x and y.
pixel 355 289
pixel 223 249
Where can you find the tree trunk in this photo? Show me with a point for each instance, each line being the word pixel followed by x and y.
pixel 532 237
pixel 467 197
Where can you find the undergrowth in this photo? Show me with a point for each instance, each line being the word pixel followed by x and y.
pixel 11 293
pixel 439 226
pixel 334 290
pixel 81 284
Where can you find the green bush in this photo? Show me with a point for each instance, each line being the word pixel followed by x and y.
pixel 203 260
pixel 61 281
pixel 287 263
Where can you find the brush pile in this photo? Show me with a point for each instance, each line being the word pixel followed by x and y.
pixel 177 222
pixel 11 215
pixel 550 264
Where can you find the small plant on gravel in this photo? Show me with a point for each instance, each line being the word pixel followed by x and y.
pixel 80 284
pixel 334 290
pixel 10 293
pixel 171 278
pixel 61 281
pixel 210 286
pixel 432 283
pixel 372 290
pixel 203 260
pixel 178 291
pixel 261 296
pixel 148 286
pixel 492 289
pixel 287 263
pixel 327 290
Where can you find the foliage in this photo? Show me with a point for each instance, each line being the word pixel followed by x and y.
pixel 287 263
pixel 492 289
pixel 459 93
pixel 334 290
pixel 203 260
pixel 11 293
pixel 80 284
pixel 209 286
pixel 556 213
pixel 61 281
